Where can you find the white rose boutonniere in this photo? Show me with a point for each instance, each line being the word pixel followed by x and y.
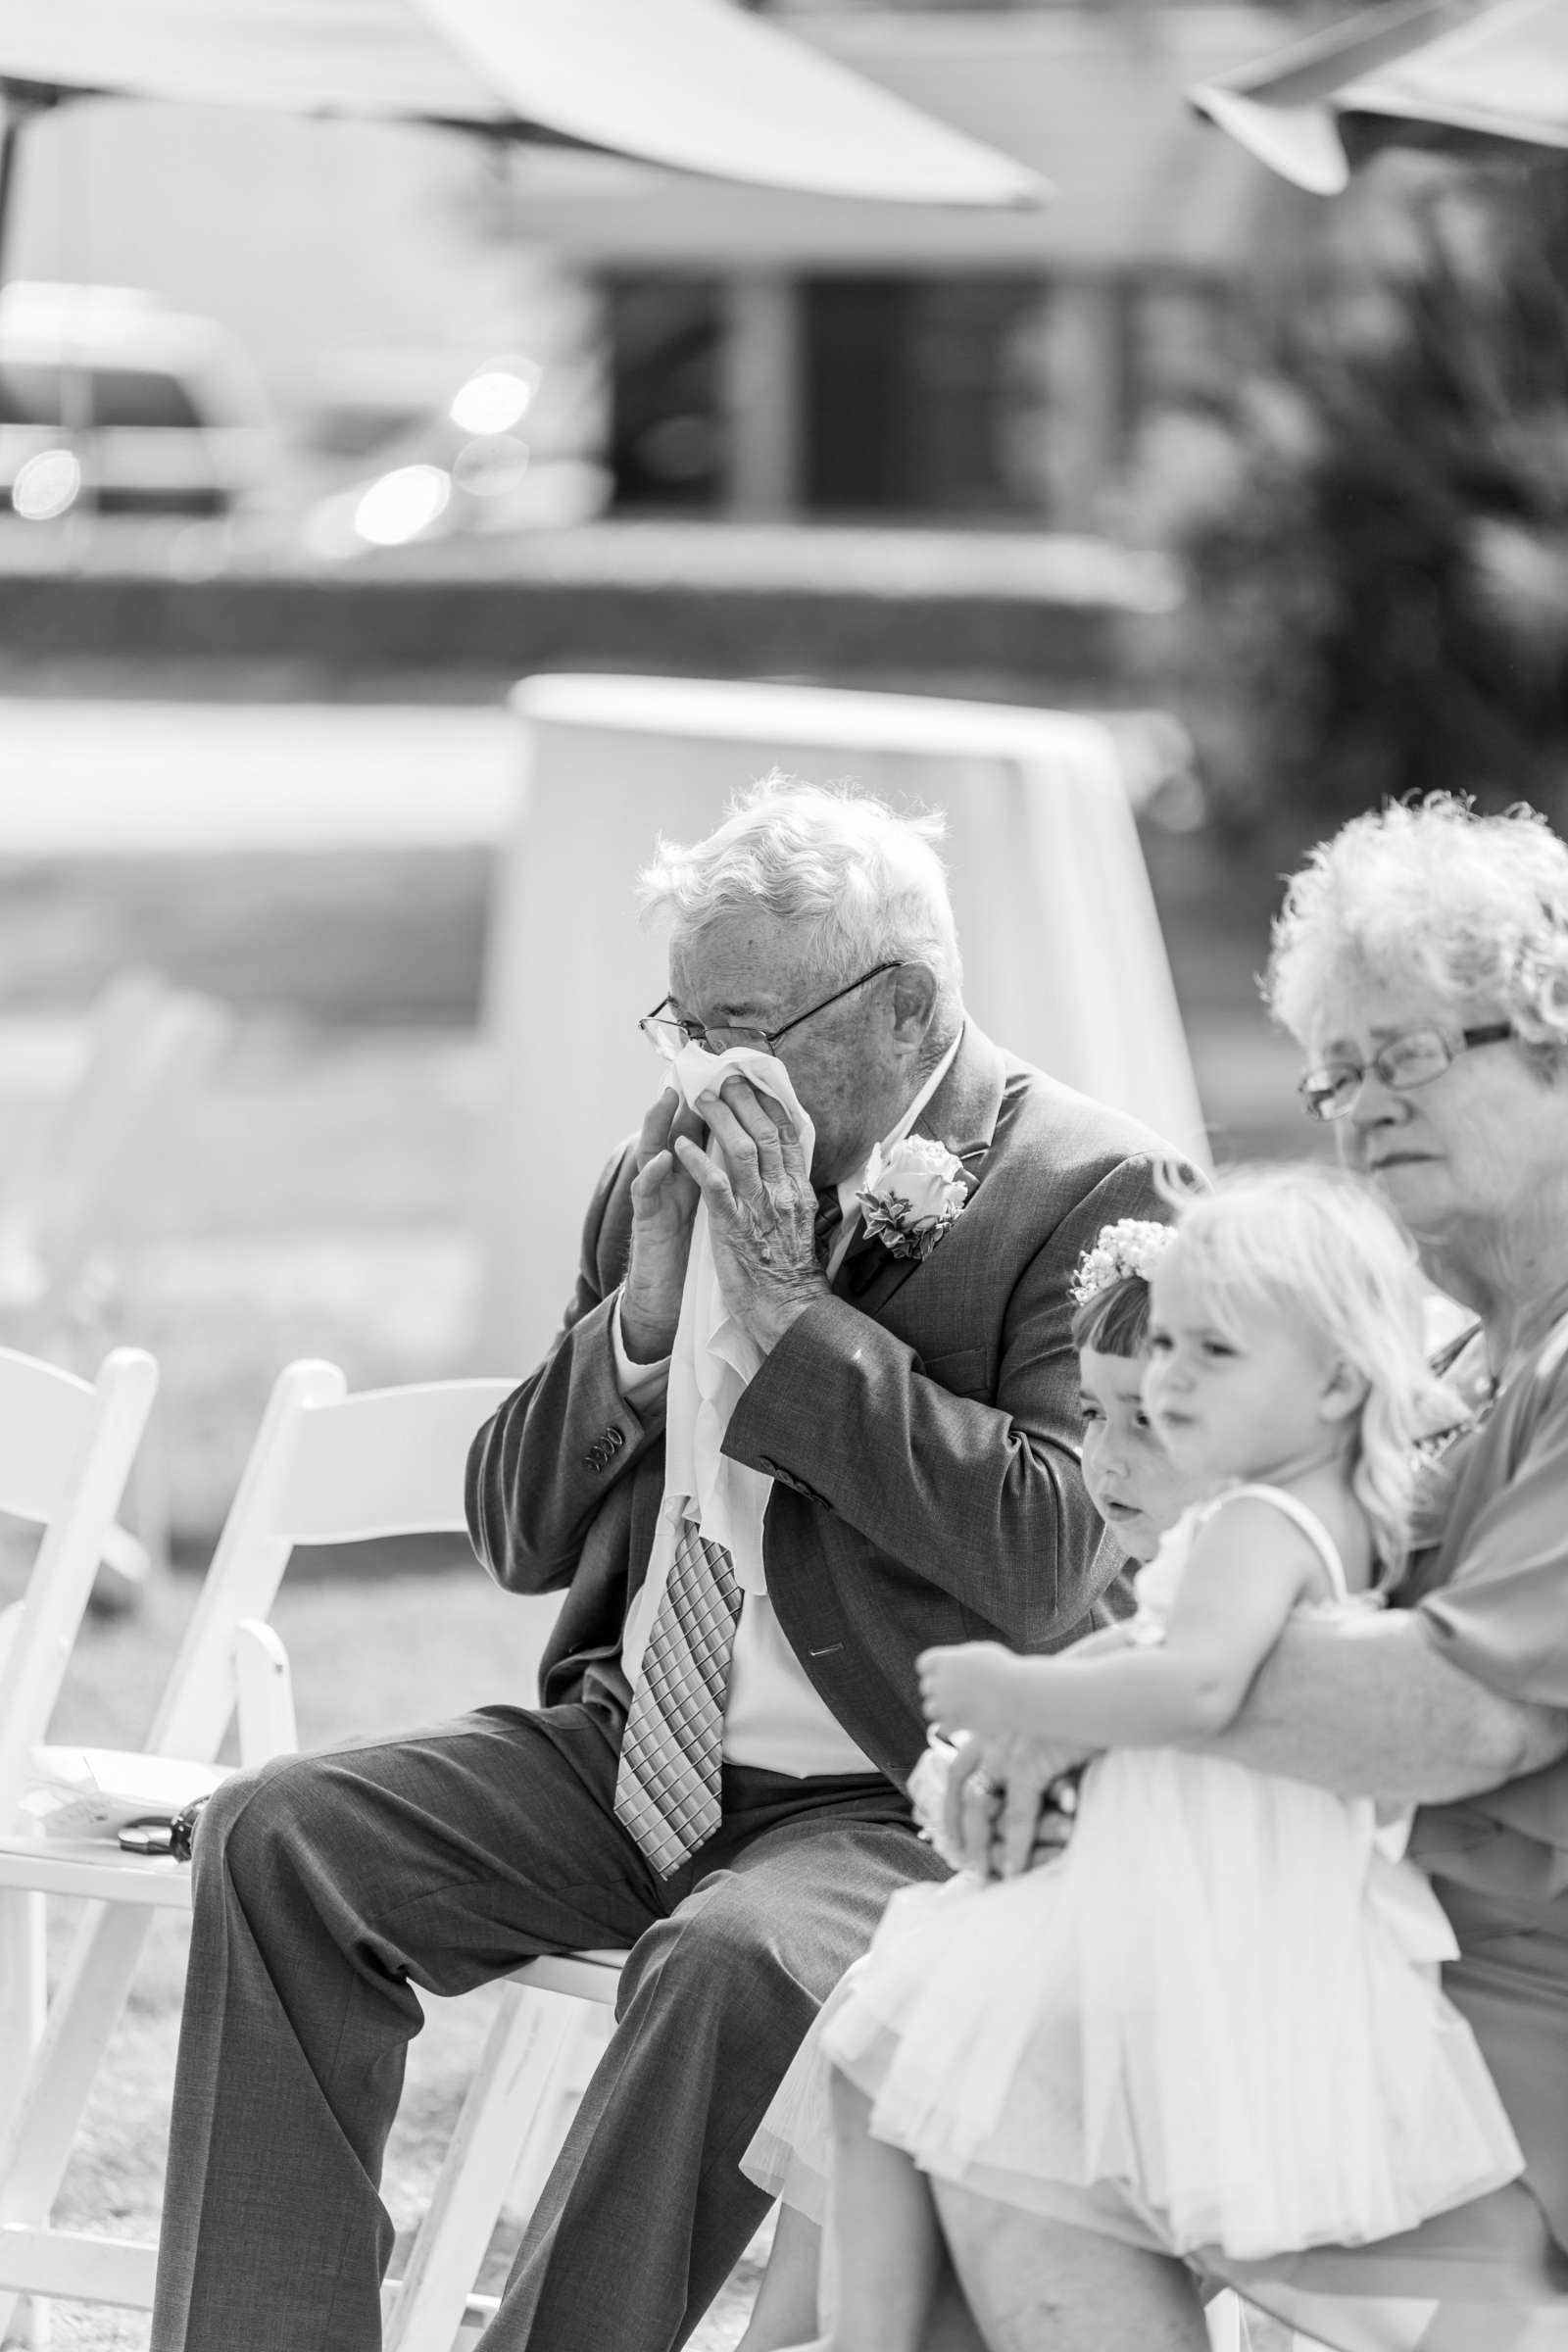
pixel 912 1195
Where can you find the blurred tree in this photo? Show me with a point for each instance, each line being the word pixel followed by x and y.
pixel 1377 527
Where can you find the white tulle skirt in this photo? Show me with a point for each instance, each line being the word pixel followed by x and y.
pixel 1223 2000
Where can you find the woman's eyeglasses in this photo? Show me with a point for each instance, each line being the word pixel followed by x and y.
pixel 1414 1060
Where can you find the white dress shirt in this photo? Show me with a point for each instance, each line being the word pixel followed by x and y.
pixel 774 1718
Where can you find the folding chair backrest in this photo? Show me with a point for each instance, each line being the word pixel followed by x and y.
pixel 325 1468
pixel 66 1450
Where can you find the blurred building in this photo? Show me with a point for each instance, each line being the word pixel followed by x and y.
pixel 780 355
pixel 765 355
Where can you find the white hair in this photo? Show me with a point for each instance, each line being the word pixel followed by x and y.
pixel 865 884
pixel 1474 908
pixel 1316 1245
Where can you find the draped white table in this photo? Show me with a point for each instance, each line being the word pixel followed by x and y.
pixel 1064 961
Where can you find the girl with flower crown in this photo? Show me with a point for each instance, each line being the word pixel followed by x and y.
pixel 1215 2023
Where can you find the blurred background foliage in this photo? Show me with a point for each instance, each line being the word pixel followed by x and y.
pixel 1375 523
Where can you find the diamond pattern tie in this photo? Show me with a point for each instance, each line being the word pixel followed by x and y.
pixel 666 1790
pixel 829 1217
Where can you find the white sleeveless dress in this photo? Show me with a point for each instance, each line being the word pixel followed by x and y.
pixel 1222 2001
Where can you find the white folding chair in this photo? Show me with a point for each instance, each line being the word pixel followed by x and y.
pixel 66 1450
pixel 325 1468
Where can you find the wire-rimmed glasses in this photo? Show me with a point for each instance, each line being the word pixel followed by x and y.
pixel 1413 1060
pixel 669 1033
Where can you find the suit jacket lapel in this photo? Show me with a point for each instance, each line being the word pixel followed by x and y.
pixel 962 1114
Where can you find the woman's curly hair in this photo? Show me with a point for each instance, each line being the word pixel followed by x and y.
pixel 1473 907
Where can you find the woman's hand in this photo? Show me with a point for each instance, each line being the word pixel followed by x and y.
pixel 1010 1803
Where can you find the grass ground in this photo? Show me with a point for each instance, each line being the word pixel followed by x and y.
pixel 313 1200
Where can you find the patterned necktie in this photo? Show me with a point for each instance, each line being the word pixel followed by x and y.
pixel 829 1217
pixel 666 1790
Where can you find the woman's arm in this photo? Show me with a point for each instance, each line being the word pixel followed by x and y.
pixel 1248 1567
pixel 1369 1706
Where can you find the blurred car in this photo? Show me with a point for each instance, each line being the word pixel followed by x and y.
pixel 508 448
pixel 113 404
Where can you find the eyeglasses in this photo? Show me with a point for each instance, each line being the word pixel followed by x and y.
pixel 668 1034
pixel 1414 1060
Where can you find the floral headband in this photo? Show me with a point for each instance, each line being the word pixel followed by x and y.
pixel 1129 1247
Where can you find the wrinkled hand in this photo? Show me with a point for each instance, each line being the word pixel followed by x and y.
pixel 761 1210
pixel 663 1202
pixel 1009 1805
pixel 971 1687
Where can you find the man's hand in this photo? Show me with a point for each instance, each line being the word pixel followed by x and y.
pixel 973 1687
pixel 761 1210
pixel 663 1202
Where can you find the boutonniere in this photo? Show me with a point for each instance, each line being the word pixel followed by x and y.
pixel 912 1195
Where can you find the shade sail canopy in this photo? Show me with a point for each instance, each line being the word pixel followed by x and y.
pixel 1449 72
pixel 695 85
pixel 1095 97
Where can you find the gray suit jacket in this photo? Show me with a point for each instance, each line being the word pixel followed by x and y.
pixel 922 1426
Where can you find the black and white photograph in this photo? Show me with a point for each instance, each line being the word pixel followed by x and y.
pixel 784 1175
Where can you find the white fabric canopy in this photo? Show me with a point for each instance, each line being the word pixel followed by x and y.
pixel 696 84
pixel 1468 69
pixel 1064 962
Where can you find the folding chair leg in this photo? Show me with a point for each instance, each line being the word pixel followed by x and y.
pixel 522 2056
pixel 86 2008
pixel 23 1992
pixel 29 2328
pixel 23 1997
pixel 546 2129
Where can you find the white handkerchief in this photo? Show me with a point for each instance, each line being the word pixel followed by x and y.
pixel 713 1359
pixel 709 1365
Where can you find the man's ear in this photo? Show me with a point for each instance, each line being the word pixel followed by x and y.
pixel 914 1000
pixel 1344 1393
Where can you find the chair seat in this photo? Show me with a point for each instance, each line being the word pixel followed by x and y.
pixel 590 1976
pixel 90 1868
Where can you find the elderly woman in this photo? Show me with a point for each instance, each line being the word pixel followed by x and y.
pixel 1421 962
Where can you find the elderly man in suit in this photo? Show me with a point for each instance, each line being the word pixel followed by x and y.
pixel 716 1775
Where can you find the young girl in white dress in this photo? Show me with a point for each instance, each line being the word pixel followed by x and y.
pixel 1215 2021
